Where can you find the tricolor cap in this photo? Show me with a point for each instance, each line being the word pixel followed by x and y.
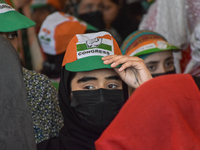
pixel 57 30
pixel 41 3
pixel 145 42
pixel 12 20
pixel 85 51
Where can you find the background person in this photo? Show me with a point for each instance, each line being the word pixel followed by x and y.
pixel 54 36
pixel 41 9
pixel 89 11
pixel 121 19
pixel 92 89
pixel 153 49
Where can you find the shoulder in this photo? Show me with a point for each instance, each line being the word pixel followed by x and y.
pixel 38 86
pixel 37 79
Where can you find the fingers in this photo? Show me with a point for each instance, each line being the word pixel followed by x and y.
pixel 133 70
pixel 137 64
pixel 116 60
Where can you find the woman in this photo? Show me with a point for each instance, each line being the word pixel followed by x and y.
pixel 117 21
pixel 92 91
pixel 153 48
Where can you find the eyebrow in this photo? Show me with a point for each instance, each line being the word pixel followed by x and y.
pixel 85 79
pixel 155 62
pixel 169 58
pixel 113 78
pixel 152 62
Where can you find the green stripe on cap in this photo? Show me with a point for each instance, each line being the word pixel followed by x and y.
pixel 82 47
pixel 87 64
pixel 13 21
pixel 34 6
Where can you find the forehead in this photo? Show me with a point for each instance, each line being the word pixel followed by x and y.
pixel 99 73
pixel 157 56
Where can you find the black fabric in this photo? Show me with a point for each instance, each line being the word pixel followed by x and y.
pixel 123 24
pixel 89 104
pixel 76 134
pixel 197 81
pixel 16 126
pixel 52 66
pixel 94 18
pixel 165 73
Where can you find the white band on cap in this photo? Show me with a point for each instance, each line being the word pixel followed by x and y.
pixel 143 48
pixel 5 8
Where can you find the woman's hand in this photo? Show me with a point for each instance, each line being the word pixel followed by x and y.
pixel 132 71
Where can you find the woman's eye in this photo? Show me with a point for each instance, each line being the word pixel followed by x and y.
pixel 106 8
pixel 89 7
pixel 112 86
pixel 151 67
pixel 88 87
pixel 12 35
pixel 169 64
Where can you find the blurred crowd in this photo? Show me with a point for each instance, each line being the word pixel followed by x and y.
pixel 176 20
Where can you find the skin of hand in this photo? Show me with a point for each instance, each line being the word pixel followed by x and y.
pixel 133 70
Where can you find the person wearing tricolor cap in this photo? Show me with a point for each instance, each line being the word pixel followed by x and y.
pixel 11 22
pixel 54 36
pixel 42 8
pixel 153 48
pixel 92 89
pixel 40 91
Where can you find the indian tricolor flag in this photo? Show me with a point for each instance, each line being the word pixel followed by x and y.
pixel 94 46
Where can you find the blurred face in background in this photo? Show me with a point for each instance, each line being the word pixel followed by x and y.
pixel 110 11
pixel 87 6
pixel 160 62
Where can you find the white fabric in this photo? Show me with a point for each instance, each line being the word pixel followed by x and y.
pixel 195 50
pixel 169 18
pixel 5 8
pixel 92 41
pixel 174 19
pixel 47 31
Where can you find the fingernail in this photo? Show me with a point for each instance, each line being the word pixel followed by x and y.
pixel 103 57
pixel 120 69
pixel 113 64
pixel 105 61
